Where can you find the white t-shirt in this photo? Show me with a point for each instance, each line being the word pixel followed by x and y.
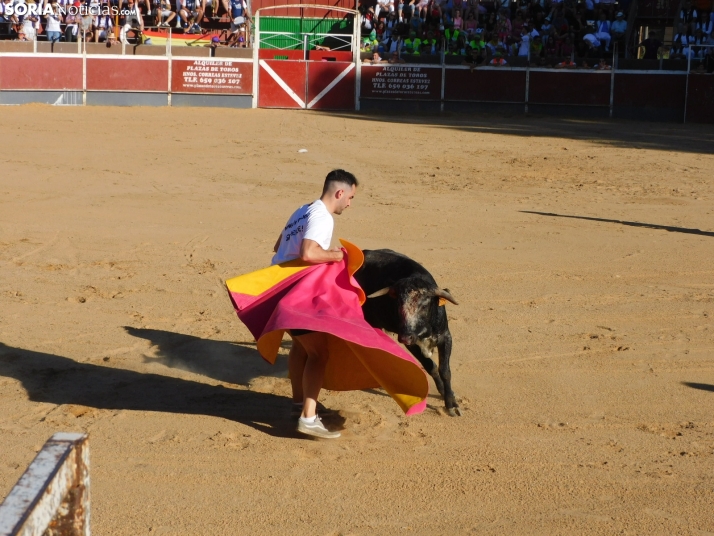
pixel 312 221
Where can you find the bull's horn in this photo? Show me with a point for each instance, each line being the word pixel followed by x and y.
pixel 444 293
pixel 380 292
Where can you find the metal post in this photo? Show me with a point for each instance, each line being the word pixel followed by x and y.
pixel 170 60
pixel 84 72
pixel 443 76
pixel 304 48
pixel 355 57
pixel 528 78
pixel 53 494
pixel 612 77
pixel 256 57
pixel 686 87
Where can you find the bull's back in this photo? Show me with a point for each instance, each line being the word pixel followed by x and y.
pixel 382 268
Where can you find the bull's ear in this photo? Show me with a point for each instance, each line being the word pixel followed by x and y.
pixel 446 295
pixel 382 292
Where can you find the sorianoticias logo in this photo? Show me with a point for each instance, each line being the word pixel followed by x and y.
pixel 93 10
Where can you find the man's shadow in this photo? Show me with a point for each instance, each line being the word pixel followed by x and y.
pixel 60 380
pixel 221 360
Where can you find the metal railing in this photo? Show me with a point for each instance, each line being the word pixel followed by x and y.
pixel 53 494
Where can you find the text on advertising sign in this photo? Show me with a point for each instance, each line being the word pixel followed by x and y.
pixel 401 82
pixel 212 76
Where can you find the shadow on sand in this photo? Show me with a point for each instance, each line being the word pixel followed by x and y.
pixel 615 133
pixel 60 380
pixel 700 386
pixel 669 228
pixel 230 362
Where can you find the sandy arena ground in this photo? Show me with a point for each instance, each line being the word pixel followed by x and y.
pixel 584 345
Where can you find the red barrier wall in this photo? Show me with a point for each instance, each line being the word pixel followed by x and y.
pixel 341 96
pixel 567 87
pixel 270 53
pixel 338 55
pixel 649 90
pixel 212 76
pixel 131 74
pixel 401 82
pixel 485 85
pixel 28 72
pixel 700 103
pixel 271 95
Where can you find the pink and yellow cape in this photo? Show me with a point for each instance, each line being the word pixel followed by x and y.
pixel 326 298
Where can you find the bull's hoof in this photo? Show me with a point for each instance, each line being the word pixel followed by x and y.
pixel 454 412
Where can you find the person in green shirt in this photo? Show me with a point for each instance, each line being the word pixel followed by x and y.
pixel 412 44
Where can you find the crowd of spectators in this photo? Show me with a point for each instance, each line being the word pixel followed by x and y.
pixel 98 20
pixel 560 33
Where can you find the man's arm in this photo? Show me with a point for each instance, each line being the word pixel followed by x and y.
pixel 312 252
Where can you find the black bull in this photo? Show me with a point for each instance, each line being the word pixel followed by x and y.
pixel 404 298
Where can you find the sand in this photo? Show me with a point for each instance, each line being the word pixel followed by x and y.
pixel 580 252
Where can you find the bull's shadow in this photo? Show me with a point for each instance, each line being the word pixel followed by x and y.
pixel 60 380
pixel 231 362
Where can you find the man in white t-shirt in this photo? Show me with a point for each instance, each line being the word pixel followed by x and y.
pixel 307 236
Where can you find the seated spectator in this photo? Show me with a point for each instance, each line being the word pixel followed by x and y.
pixel 470 24
pixel 593 44
pixel 503 28
pixel 476 43
pixel 411 43
pixel 550 47
pixel 475 58
pixel 133 23
pixel 71 29
pixel 471 7
pixel 681 43
pixel 566 48
pixel 376 58
pixel 421 10
pixel 191 14
pixel 602 65
pixel 688 14
pixel 383 8
pixel 391 44
pixel 52 23
pixel 652 46
pixel 566 64
pixel 433 13
pixel 706 25
pixel 394 58
pixel 537 49
pixel 103 26
pixel 602 30
pixel 498 61
pixel 618 29
pixel 524 42
pixel 458 21
pixel 380 30
pixel 431 43
pixel 517 26
pixel 29 27
pixel 404 10
pixel 164 14
pixel 546 28
pixel 708 61
pixel 390 24
pixel 238 10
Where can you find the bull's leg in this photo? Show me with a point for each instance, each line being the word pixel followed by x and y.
pixel 428 365
pixel 452 407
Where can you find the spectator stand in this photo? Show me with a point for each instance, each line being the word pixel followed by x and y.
pixel 127 74
pixel 305 61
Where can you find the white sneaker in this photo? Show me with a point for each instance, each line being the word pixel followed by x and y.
pixel 316 429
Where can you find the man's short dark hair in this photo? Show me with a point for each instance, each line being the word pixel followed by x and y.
pixel 341 176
